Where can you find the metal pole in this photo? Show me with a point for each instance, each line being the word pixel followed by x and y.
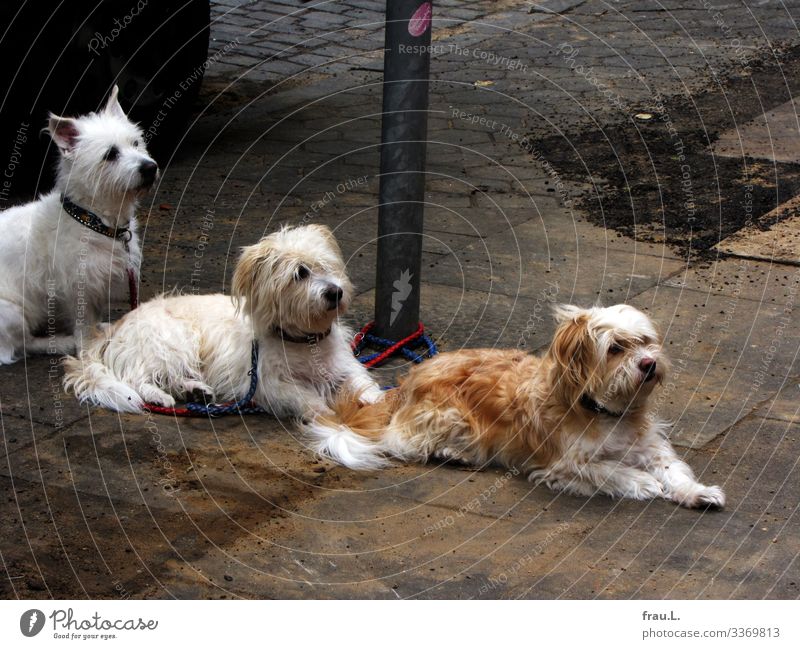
pixel 402 188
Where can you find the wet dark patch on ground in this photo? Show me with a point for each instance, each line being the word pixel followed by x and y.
pixel 656 179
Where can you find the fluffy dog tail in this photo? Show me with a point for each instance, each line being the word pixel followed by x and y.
pixel 93 382
pixel 352 435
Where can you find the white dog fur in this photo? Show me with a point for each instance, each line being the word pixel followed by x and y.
pixel 290 285
pixel 53 269
pixel 578 419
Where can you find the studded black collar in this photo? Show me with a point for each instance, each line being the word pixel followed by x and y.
pixel 92 221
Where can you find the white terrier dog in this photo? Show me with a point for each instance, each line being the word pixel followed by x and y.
pixel 67 254
pixel 576 419
pixel 287 292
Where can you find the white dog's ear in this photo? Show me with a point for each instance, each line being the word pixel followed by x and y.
pixel 244 275
pixel 64 131
pixel 112 105
pixel 327 234
pixel 250 284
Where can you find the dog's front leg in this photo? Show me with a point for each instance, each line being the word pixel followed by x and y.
pixel 609 477
pixel 680 485
pixel 352 377
pixel 13 330
pixel 357 380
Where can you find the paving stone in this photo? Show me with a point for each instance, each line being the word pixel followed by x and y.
pixel 367 543
pixel 617 277
pixel 740 278
pixel 771 136
pixel 22 434
pixel 31 390
pixel 718 374
pixel 780 243
pixel 785 405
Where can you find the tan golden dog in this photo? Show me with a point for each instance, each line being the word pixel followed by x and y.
pixel 576 419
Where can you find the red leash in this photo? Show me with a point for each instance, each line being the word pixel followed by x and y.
pixel 390 347
pixel 133 289
pixel 161 410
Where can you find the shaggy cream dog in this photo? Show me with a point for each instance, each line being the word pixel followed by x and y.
pixel 64 256
pixel 577 419
pixel 287 292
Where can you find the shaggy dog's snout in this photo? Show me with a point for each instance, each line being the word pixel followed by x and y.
pixel 648 367
pixel 333 295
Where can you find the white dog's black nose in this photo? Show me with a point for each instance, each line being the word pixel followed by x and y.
pixel 648 366
pixel 333 296
pixel 148 170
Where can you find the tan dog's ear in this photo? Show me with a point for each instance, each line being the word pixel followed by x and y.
pixel 564 312
pixel 573 350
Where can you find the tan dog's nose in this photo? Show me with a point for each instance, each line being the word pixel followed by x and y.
pixel 648 366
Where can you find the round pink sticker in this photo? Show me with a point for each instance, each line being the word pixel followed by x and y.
pixel 420 20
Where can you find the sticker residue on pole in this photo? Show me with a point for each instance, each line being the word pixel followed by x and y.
pixel 402 289
pixel 419 22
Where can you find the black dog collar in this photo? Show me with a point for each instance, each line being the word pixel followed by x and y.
pixel 590 404
pixel 307 339
pixel 92 221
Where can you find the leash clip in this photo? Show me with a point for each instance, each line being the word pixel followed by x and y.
pixel 126 237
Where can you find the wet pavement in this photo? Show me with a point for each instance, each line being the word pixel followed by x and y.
pixel 578 152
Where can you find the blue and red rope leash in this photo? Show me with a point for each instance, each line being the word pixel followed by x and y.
pixel 243 406
pixel 391 348
pixel 362 339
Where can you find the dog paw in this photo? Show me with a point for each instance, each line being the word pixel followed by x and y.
pixel 190 386
pixel 371 395
pixel 453 455
pixel 537 476
pixel 698 496
pixel 157 397
pixel 707 497
pixel 645 488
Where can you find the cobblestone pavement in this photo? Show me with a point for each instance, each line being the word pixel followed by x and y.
pixel 570 159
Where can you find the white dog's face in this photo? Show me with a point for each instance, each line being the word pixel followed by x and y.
pixel 293 279
pixel 103 154
pixel 612 355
